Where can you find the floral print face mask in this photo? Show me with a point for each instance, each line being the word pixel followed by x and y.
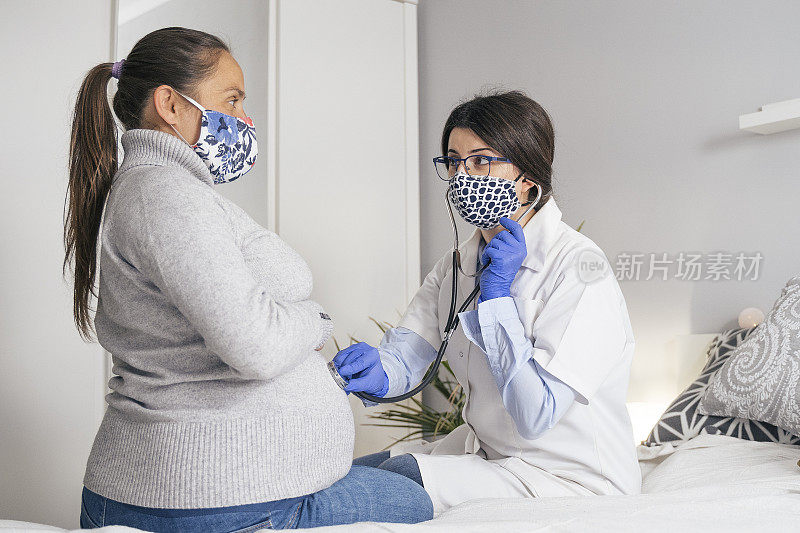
pixel 227 144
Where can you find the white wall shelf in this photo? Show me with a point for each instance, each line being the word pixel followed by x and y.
pixel 773 118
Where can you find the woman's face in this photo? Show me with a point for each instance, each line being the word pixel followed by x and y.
pixel 222 91
pixel 463 143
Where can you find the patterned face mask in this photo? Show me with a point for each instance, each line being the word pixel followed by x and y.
pixel 483 201
pixel 227 144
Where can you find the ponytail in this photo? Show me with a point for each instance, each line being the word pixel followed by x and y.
pixel 92 164
pixel 175 56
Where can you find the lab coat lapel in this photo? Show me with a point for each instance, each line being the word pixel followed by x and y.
pixel 460 344
pixel 469 259
pixel 540 233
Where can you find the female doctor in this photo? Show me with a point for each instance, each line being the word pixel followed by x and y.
pixel 543 356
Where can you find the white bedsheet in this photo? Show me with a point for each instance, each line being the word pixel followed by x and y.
pixel 711 483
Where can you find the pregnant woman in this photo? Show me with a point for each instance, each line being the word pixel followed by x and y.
pixel 221 416
pixel 543 357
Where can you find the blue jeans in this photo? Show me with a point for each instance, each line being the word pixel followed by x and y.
pixel 404 464
pixel 364 494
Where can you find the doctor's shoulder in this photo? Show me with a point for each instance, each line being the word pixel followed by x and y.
pixel 584 265
pixel 576 259
pixel 440 269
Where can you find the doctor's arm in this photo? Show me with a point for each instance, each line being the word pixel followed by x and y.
pixel 578 337
pixel 397 365
pixel 405 352
pixel 405 357
pixel 535 399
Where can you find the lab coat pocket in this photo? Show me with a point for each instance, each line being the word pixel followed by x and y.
pixel 529 310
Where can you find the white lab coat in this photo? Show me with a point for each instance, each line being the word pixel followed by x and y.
pixel 581 334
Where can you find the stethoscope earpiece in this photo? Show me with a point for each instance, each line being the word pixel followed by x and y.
pixel 534 203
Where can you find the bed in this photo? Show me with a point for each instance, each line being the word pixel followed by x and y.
pixel 709 483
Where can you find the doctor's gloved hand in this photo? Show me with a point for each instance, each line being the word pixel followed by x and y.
pixel 505 253
pixel 360 364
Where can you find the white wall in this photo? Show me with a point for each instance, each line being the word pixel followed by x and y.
pixel 645 96
pixel 51 382
pixel 344 136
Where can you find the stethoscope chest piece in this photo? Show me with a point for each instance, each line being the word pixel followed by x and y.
pixel 336 376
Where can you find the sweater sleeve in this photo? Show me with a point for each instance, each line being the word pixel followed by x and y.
pixel 179 237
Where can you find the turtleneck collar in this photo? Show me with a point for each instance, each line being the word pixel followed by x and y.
pixel 152 147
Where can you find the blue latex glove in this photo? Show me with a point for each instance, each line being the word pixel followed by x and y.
pixel 360 364
pixel 505 251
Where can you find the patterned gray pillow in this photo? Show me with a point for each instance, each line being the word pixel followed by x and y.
pixel 761 378
pixel 682 421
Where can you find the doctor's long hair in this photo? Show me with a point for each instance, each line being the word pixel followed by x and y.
pixel 514 125
pixel 178 57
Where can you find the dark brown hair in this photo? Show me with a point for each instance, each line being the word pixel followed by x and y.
pixel 516 127
pixel 178 57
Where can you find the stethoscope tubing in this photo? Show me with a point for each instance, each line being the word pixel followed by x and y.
pixel 452 315
pixel 452 324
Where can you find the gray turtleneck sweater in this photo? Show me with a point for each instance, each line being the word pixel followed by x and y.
pixel 218 396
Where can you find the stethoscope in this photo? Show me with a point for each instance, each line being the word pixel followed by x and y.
pixel 452 316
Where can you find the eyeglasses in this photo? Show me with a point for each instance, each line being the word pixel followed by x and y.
pixel 475 165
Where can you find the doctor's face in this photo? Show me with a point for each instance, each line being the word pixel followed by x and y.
pixel 463 142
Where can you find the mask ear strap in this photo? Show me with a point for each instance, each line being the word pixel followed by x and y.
pixel 198 106
pixel 181 136
pixel 538 188
pixel 192 100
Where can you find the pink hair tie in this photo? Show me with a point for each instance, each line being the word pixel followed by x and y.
pixel 116 69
